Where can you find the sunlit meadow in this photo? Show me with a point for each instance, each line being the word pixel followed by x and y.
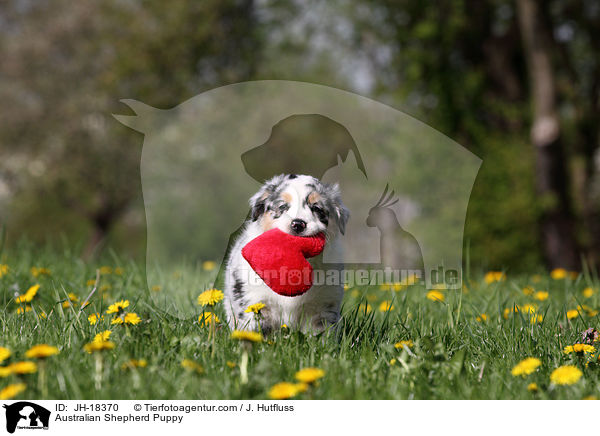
pixel 75 330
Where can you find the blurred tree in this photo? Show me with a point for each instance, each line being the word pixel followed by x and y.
pixel 551 174
pixel 64 68
pixel 459 68
pixel 462 66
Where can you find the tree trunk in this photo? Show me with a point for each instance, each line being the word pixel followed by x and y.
pixel 556 219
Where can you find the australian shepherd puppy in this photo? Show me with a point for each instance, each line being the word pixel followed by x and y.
pixel 298 205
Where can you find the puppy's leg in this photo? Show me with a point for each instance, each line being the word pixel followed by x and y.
pixel 324 320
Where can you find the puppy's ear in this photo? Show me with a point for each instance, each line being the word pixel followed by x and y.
pixel 258 203
pixel 342 216
pixel 340 212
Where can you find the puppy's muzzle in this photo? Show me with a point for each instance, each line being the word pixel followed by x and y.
pixel 298 225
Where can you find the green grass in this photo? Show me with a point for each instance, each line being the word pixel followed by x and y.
pixel 454 356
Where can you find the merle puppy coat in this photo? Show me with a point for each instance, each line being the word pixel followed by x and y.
pixel 299 205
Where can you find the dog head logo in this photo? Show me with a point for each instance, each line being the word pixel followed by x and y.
pixel 25 414
pixel 204 159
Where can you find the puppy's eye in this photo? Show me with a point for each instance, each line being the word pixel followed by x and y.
pixel 319 211
pixel 283 208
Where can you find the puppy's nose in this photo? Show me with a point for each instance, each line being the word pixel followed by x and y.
pixel 298 225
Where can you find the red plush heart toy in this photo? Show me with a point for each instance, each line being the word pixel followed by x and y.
pixel 280 260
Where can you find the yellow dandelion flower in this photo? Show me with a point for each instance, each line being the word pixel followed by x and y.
pixel 156 288
pixel 117 307
pixel 4 354
pixel 528 290
pixel 230 364
pixel 192 366
pixel 402 344
pixel 256 308
pixel 103 336
pixel 386 306
pixel 579 348
pixel 206 318
pixel 481 318
pixel 98 346
pixel 284 390
pixel 72 299
pixel 309 375
pixel 134 363
pixel 588 292
pixel 592 313
pixel 536 319
pixel 355 293
pixel 541 295
pixel 25 367
pixel 536 278
pixel 22 309
pixel 566 375
pixel 210 297
pixel 100 343
pixel 527 309
pixel 28 296
pixel 590 397
pixel 507 312
pixel 105 270
pixel 5 371
pixel 36 272
pixel 3 270
pixel 572 314
pixel 117 321
pixel 242 335
pixel 209 265
pixel 41 351
pixel 558 273
pixel 118 271
pixel 393 362
pixel 12 391
pixel 94 318
pixel 532 387
pixel 302 387
pixel 90 282
pixel 435 296
pixel 526 366
pixel 132 318
pixel 397 286
pixel 372 297
pixel 494 276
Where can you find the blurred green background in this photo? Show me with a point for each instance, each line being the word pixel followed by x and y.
pixel 515 82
